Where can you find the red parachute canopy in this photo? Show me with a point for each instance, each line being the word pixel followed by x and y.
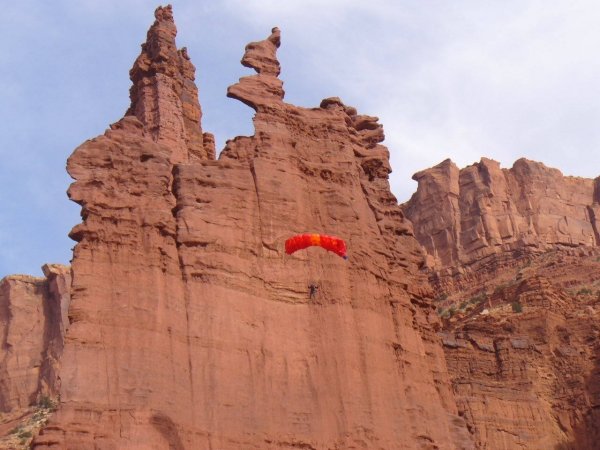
pixel 331 243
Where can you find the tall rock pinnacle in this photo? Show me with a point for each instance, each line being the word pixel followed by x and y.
pixel 164 96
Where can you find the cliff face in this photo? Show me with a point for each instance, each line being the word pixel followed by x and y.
pixel 513 256
pixel 33 321
pixel 189 326
pixel 524 362
pixel 463 216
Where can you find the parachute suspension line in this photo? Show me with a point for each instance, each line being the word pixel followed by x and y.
pixel 320 269
pixel 316 278
pixel 315 260
pixel 284 257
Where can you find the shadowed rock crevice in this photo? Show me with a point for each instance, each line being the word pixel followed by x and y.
pixel 592 211
pixel 168 429
pixel 57 298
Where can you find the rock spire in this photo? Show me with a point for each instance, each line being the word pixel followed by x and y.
pixel 164 96
pixel 259 90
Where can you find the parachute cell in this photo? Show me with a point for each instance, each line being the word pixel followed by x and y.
pixel 302 241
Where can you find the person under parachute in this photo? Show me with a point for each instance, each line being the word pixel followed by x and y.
pixel 330 243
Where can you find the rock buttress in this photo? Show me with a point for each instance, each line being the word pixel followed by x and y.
pixel 192 329
pixel 33 323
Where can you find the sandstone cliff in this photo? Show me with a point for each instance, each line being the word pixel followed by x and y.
pixel 524 356
pixel 514 259
pixel 33 321
pixel 186 326
pixel 461 217
pixel 189 326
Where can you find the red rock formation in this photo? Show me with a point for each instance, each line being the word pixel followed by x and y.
pixel 502 241
pixel 33 321
pixel 529 379
pixel 264 88
pixel 164 96
pixel 463 216
pixel 191 328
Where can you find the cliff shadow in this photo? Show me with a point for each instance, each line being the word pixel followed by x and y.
pixel 168 429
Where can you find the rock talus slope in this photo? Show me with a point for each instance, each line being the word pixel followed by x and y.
pixel 189 326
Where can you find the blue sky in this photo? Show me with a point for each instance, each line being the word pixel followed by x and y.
pixel 460 79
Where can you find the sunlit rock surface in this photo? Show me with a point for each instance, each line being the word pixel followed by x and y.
pixel 190 326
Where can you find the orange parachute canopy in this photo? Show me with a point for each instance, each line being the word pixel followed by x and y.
pixel 331 243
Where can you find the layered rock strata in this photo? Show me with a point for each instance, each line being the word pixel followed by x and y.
pixel 33 321
pixel 463 216
pixel 502 241
pixel 525 373
pixel 190 326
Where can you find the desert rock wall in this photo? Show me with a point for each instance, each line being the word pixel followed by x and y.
pixel 33 320
pixel 526 378
pixel 190 326
pixel 463 216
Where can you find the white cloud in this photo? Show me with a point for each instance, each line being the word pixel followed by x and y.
pixel 471 81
